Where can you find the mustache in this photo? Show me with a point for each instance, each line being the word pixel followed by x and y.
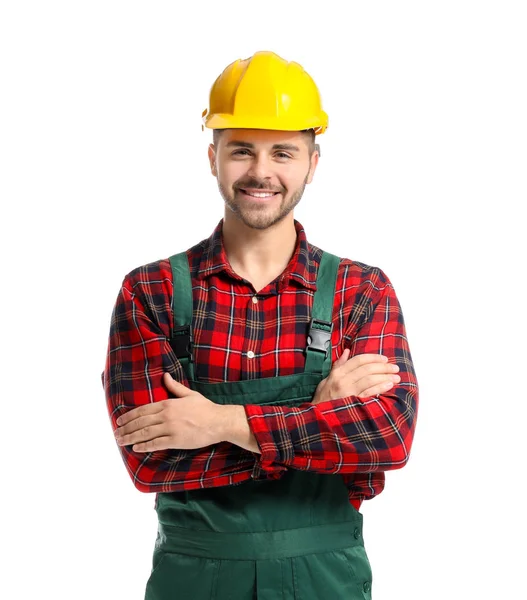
pixel 255 185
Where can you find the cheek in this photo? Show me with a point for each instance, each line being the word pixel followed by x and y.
pixel 293 178
pixel 229 173
pixel 292 183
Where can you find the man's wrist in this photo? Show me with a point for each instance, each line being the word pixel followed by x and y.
pixel 233 427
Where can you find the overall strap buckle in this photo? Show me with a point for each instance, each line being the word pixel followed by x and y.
pixel 319 336
pixel 182 342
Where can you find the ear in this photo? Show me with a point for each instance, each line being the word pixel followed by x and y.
pixel 313 165
pixel 212 159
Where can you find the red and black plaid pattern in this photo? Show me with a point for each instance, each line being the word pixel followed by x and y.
pixel 242 333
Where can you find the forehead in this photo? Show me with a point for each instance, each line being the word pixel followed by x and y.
pixel 261 138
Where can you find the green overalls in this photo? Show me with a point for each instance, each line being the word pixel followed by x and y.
pixel 293 538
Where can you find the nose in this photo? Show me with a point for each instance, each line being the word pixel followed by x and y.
pixel 260 167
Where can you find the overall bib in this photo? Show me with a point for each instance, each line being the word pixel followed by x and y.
pixel 293 538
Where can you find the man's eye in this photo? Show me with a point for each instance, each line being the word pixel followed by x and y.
pixel 245 152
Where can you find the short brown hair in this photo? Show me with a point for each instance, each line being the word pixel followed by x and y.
pixel 310 133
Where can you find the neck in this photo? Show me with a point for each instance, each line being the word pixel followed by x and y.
pixel 259 253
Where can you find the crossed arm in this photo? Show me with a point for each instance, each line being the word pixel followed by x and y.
pixel 344 435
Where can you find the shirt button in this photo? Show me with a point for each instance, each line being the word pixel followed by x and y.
pixel 367 586
pixel 356 533
pixel 250 354
pixel 255 299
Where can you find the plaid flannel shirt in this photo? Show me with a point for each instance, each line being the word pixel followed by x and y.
pixel 355 438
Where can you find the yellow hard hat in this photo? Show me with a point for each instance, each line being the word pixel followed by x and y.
pixel 265 92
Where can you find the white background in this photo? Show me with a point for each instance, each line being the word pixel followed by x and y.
pixel 423 174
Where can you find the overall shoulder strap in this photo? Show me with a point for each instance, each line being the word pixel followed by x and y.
pixel 318 349
pixel 182 309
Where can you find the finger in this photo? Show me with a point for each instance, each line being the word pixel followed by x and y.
pixel 345 354
pixel 355 370
pixel 360 360
pixel 375 368
pixel 174 386
pixel 139 423
pixel 160 443
pixel 374 379
pixel 342 359
pixel 377 379
pixel 380 388
pixel 140 411
pixel 145 434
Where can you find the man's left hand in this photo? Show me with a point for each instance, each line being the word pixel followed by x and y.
pixel 186 422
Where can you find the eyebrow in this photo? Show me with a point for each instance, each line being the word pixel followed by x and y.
pixel 290 147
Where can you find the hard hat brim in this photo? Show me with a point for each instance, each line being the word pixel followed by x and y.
pixel 226 121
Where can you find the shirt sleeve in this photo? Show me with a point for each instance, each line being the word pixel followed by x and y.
pixel 138 354
pixel 350 434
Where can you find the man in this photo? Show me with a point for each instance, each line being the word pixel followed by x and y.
pixel 258 385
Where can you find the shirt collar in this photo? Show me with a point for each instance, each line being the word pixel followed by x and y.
pixel 301 267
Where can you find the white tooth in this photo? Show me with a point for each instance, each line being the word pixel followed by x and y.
pixel 262 195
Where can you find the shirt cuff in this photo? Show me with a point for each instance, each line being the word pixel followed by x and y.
pixel 272 437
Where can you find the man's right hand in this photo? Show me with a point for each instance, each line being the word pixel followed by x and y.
pixel 364 375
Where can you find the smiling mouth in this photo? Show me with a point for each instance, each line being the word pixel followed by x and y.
pixel 261 194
